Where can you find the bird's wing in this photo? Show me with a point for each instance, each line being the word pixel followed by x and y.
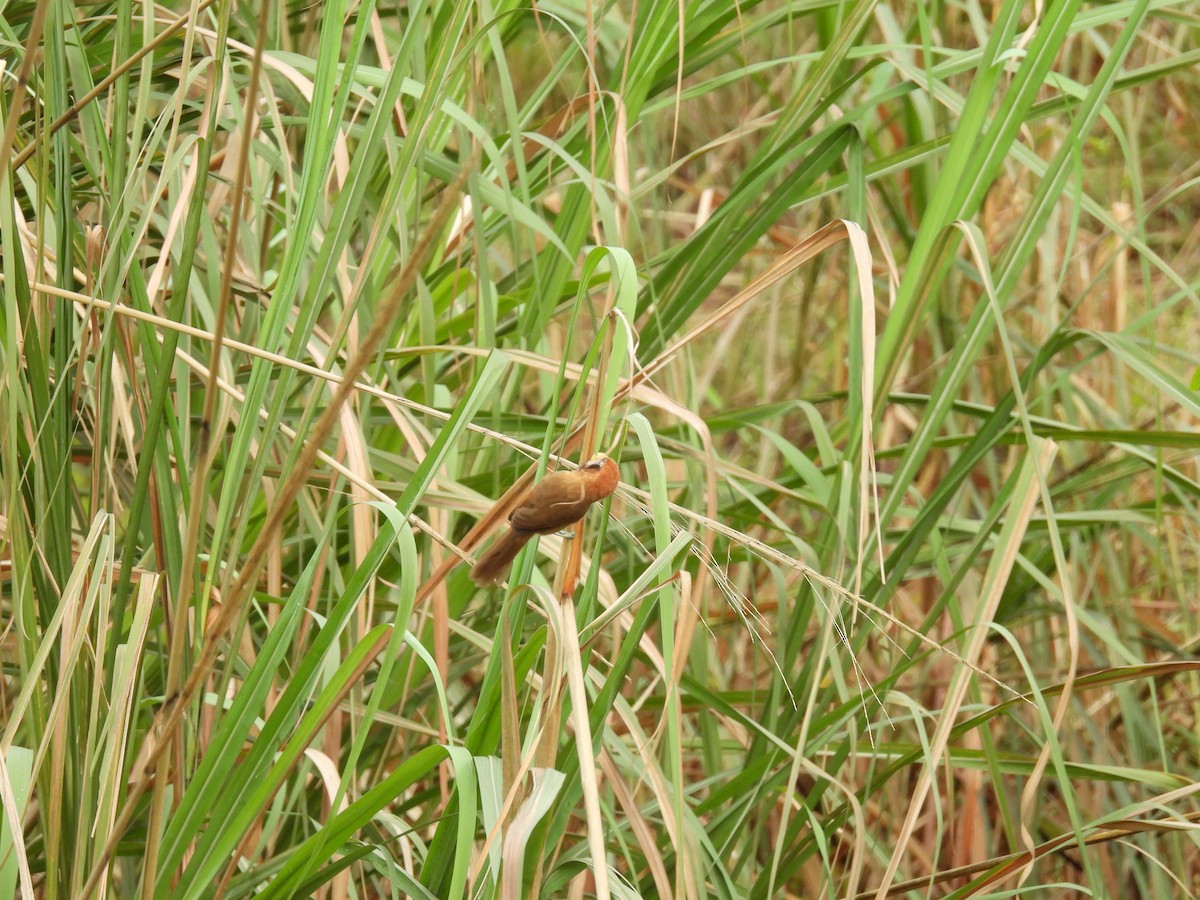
pixel 555 502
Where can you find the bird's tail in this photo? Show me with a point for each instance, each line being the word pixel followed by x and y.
pixel 493 564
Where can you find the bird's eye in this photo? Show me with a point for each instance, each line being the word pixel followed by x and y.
pixel 595 465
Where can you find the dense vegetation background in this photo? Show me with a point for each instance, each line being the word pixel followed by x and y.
pixel 887 310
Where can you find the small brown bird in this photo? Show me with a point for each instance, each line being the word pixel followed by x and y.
pixel 551 505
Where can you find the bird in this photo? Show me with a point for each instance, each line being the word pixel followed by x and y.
pixel 558 500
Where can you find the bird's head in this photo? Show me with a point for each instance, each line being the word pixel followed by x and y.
pixel 601 475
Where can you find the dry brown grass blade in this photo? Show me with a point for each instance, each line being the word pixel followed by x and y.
pixel 16 101
pixel 816 243
pixel 1010 865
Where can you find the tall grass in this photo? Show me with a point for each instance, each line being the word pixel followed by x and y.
pixel 886 312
